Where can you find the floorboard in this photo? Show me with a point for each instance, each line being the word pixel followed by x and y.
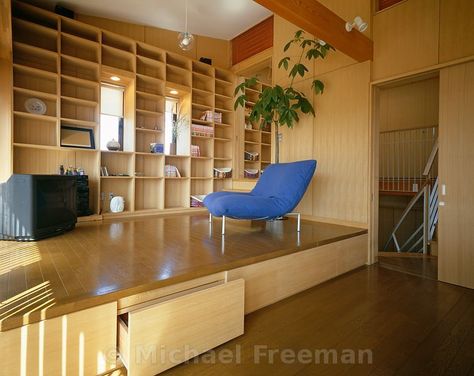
pixel 412 325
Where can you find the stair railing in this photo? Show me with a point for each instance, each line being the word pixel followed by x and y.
pixel 424 233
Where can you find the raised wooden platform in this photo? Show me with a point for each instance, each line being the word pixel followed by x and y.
pixel 102 262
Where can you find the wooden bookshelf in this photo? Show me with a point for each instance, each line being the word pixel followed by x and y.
pixel 253 138
pixel 63 63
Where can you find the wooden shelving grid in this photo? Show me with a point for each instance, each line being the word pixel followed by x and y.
pixel 254 138
pixel 63 62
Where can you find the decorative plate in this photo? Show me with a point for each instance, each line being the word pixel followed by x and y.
pixel 35 106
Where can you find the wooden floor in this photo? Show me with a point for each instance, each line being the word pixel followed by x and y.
pixel 412 325
pixel 104 261
pixel 415 264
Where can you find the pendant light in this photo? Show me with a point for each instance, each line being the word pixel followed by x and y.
pixel 186 39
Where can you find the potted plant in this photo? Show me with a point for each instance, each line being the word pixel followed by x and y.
pixel 281 105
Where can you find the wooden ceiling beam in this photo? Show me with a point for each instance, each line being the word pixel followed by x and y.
pixel 315 18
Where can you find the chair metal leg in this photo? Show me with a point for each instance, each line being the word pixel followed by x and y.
pixel 298 220
pixel 210 218
pixel 223 225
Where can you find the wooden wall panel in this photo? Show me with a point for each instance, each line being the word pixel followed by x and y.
pixel 6 158
pixel 456 153
pixel 256 39
pixel 297 144
pixel 217 49
pixel 339 191
pixel 456 29
pixel 341 145
pixel 409 106
pixel 347 10
pixel 133 31
pixel 283 32
pixel 406 38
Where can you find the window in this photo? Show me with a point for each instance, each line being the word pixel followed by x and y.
pixel 111 115
pixel 170 114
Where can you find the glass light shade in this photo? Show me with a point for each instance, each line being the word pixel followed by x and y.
pixel 185 41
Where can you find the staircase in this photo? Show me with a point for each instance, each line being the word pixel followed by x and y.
pixel 424 190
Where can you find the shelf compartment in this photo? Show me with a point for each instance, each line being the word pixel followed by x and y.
pixel 150 52
pixel 34 57
pixel 151 165
pixel 224 76
pixel 266 152
pixel 201 168
pixel 181 162
pixel 224 103
pixel 203 68
pixel 144 139
pixel 19 98
pixel 224 88
pixel 150 102
pixel 36 15
pixel 201 186
pixel 223 132
pixel 34 131
pixel 81 69
pixel 203 98
pixel 221 184
pixel 151 68
pixel 222 150
pixel 202 82
pixel 175 75
pixel 266 137
pixel 47 161
pixel 150 121
pixel 117 58
pixel 149 194
pixel 118 41
pixel 206 145
pixel 252 135
pixel 116 187
pixel 177 192
pixel 117 163
pixel 150 85
pixel 80 48
pixel 80 30
pixel 178 61
pixel 33 79
pixel 35 35
pixel 80 89
pixel 79 110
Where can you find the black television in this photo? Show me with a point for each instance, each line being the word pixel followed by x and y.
pixel 34 207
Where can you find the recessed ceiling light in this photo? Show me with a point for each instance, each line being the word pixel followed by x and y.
pixel 174 92
pixel 115 78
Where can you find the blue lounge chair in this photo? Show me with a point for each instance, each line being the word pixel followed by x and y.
pixel 278 191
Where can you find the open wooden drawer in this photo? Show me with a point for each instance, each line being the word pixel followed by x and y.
pixel 175 328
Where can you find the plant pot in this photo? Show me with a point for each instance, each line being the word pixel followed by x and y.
pixel 173 149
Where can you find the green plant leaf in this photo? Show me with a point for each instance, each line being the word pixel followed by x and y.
pixel 284 62
pixel 287 46
pixel 318 87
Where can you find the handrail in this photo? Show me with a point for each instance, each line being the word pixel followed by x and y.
pixel 431 159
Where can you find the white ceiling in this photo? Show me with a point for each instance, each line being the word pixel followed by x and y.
pixel 222 19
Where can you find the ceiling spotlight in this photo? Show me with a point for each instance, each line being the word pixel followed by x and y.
pixel 115 78
pixel 185 39
pixel 174 92
pixel 359 23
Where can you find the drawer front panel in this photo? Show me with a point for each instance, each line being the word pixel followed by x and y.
pixel 173 331
pixel 82 342
pixel 270 281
